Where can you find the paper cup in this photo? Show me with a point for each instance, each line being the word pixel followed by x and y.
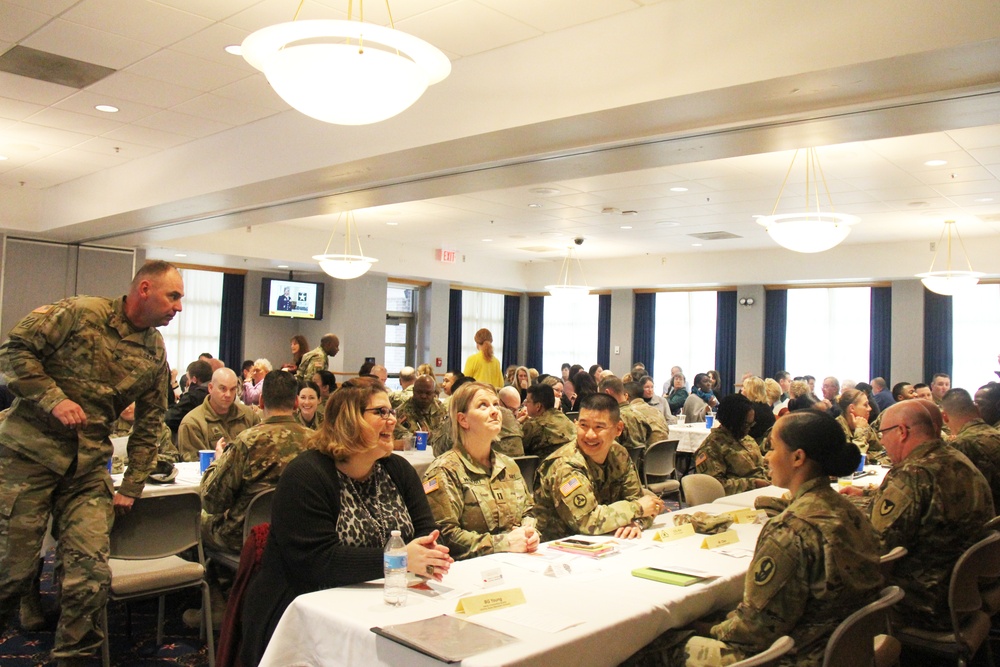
pixel 205 457
pixel 709 420
pixel 420 440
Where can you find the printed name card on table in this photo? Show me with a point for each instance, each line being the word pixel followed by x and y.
pixel 748 515
pixel 720 540
pixel 477 604
pixel 672 533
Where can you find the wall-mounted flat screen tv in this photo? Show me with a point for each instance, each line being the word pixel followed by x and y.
pixel 291 298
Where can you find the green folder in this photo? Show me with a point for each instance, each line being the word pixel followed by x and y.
pixel 666 576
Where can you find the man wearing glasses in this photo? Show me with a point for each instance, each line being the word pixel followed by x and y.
pixel 590 486
pixel 934 502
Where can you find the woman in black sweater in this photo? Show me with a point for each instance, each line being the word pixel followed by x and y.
pixel 334 509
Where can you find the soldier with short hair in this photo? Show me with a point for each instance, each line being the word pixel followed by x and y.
pixel 637 429
pixel 590 485
pixel 979 441
pixel 317 359
pixel 657 428
pixel 74 366
pixel 219 416
pixel 422 412
pixel 545 429
pixel 728 454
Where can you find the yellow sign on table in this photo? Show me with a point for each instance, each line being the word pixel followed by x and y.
pixel 674 533
pixel 748 515
pixel 477 604
pixel 720 540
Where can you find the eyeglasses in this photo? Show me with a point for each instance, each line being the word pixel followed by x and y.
pixel 383 413
pixel 883 431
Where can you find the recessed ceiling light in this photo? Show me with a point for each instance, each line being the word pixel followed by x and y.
pixel 487 240
pixel 935 163
pixel 180 254
pixel 234 50
pixel 3 157
pixel 106 108
pixel 678 189
pixel 544 191
pixel 981 200
pixel 534 205
pixel 696 245
pixel 282 266
pixel 392 223
pixel 625 227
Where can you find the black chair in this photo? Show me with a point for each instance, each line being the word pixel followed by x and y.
pixel 658 463
pixel 528 466
pixel 258 512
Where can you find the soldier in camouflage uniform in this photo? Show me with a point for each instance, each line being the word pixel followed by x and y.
pixel 637 430
pixel 814 564
pixel 74 366
pixel 251 463
pixel 219 416
pixel 658 429
pixel 854 407
pixel 478 496
pixel 545 429
pixel 933 502
pixel 979 441
pixel 728 454
pixel 590 486
pixel 508 442
pixel 318 358
pixel 423 412
pixel 988 402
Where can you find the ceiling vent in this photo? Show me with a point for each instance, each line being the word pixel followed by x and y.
pixel 540 248
pixel 989 217
pixel 715 236
pixel 49 67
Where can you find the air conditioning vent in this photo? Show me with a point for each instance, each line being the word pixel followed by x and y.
pixel 43 66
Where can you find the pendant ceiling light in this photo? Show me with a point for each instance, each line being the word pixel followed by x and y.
pixel 565 289
pixel 345 265
pixel 345 72
pixel 949 282
pixel 812 230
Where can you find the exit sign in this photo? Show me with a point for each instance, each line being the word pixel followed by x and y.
pixel 447 256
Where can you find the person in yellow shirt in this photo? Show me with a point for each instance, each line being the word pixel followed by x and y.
pixel 483 366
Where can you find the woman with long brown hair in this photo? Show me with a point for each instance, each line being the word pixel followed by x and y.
pixel 299 346
pixel 483 366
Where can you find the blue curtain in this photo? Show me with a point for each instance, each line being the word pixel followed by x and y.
pixel 937 334
pixel 536 330
pixel 881 333
pixel 231 326
pixel 725 341
pixel 455 361
pixel 604 330
pixel 511 327
pixel 644 330
pixel 775 328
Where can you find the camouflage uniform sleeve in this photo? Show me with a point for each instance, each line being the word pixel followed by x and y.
pixel 896 508
pixel 220 485
pixel 445 494
pixel 150 409
pixel 165 449
pixel 633 491
pixel 576 504
pixel 31 341
pixel 775 591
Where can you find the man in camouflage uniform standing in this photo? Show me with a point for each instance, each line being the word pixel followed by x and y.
pixel 318 358
pixel 546 429
pixel 74 366
pixel 423 412
pixel 979 441
pixel 590 485
pixel 933 502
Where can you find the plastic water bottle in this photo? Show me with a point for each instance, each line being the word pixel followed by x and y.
pixel 394 569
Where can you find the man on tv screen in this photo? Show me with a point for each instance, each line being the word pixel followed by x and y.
pixel 285 300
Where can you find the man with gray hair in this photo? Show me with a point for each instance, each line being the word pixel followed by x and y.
pixel 220 416
pixel 407 377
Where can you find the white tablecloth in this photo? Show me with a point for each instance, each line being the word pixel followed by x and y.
pixel 188 479
pixel 690 436
pixel 620 613
pixel 420 460
pixel 746 498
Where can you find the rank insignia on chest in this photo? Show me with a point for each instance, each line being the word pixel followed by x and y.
pixel 570 485
pixel 431 485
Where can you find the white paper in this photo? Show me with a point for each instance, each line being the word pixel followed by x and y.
pixel 538 618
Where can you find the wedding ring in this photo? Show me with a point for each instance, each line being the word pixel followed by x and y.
pixel 430 570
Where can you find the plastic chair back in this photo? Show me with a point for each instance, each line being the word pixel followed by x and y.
pixel 853 642
pixel 887 563
pixel 660 460
pixel 528 466
pixel 158 527
pixel 701 489
pixel 771 656
pixel 258 511
pixel 981 560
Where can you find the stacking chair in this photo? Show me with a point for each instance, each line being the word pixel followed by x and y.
pixel 573 415
pixel 145 544
pixel 771 656
pixel 528 466
pixel 659 462
pixel 258 512
pixel 970 623
pixel 887 563
pixel 700 489
pixel 858 640
pixel 636 454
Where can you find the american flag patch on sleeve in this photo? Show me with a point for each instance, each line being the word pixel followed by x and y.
pixel 431 485
pixel 569 486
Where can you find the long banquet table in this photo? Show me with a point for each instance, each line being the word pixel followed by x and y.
pixel 689 436
pixel 617 612
pixel 746 498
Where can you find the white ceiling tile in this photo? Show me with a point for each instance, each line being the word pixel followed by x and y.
pixel 553 15
pixel 224 110
pixel 375 12
pixel 89 45
pixel 16 23
pixel 16 109
pixel 216 9
pixel 253 89
pixel 270 12
pixel 109 146
pixel 85 101
pixel 141 20
pixel 179 123
pixel 74 122
pixel 211 44
pixel 968 187
pixel 939 176
pixel 187 71
pixel 914 146
pixel 32 90
pixel 20 153
pixel 90 158
pixel 38 134
pixel 465 27
pixel 147 136
pixel 151 92
pixel 987 154
pixel 46 172
pixel 50 7
pixel 976 137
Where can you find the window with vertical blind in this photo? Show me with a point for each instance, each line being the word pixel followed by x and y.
pixel 400 329
pixel 975 332
pixel 196 328
pixel 569 333
pixel 829 333
pixel 685 334
pixel 481 310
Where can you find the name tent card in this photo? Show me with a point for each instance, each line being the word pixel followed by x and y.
pixel 478 604
pixel 748 515
pixel 720 540
pixel 672 533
